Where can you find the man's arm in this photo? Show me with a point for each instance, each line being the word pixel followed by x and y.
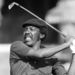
pixel 64 56
pixel 21 49
pixel 48 51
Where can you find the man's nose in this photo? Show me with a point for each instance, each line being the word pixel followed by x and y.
pixel 27 32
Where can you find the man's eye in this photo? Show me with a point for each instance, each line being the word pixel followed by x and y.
pixel 32 29
pixel 26 29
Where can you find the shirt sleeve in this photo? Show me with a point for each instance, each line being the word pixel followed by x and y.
pixel 19 48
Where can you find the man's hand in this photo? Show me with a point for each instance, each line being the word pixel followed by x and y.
pixel 72 46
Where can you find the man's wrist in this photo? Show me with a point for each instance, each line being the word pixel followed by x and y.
pixel 72 46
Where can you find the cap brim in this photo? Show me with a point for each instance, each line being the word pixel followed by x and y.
pixel 39 26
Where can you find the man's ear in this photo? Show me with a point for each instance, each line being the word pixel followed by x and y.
pixel 42 36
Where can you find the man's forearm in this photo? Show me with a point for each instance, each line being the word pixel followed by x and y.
pixel 65 56
pixel 51 51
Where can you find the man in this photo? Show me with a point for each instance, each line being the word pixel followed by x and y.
pixel 30 57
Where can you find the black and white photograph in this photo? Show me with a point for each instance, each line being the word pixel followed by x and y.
pixel 37 37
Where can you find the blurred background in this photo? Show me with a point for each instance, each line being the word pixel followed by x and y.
pixel 12 20
pixel 59 13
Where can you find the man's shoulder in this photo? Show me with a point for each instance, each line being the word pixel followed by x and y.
pixel 15 42
pixel 18 44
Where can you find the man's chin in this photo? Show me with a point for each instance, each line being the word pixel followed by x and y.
pixel 29 43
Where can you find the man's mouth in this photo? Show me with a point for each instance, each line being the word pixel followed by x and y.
pixel 28 37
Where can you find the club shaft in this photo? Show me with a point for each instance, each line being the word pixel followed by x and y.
pixel 40 19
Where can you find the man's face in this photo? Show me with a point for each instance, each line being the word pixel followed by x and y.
pixel 31 35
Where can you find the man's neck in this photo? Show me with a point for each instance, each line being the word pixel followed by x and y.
pixel 37 45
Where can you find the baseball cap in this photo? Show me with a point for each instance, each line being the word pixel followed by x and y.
pixel 37 23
